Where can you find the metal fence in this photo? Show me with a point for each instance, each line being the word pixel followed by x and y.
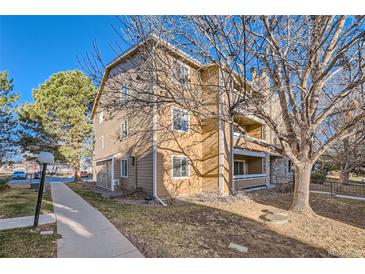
pixel 333 187
pixel 329 186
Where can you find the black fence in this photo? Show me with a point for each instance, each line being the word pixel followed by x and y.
pixel 286 183
pixel 334 187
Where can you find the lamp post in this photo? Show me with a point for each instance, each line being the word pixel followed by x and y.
pixel 44 158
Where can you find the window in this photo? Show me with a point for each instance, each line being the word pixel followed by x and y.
pixel 124 91
pixel 101 117
pixel 181 72
pixel 124 168
pixel 180 167
pixel 290 166
pixel 239 168
pixel 180 120
pixel 101 139
pixel 124 130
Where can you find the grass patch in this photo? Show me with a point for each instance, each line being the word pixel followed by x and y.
pixel 204 230
pixel 349 211
pixel 21 201
pixel 28 243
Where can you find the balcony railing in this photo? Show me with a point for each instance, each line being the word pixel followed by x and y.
pixel 249 176
pixel 240 135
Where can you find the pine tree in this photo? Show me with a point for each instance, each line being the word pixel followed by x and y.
pixel 58 120
pixel 7 118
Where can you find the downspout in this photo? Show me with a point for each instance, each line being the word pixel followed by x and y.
pixel 112 177
pixel 154 142
pixel 220 138
pixel 233 185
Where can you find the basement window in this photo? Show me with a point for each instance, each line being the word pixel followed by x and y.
pixel 180 167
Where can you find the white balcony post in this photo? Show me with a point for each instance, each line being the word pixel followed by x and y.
pixel 267 169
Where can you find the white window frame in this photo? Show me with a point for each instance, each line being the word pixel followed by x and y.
pixel 121 168
pixel 121 135
pixel 172 119
pixel 177 77
pixel 101 140
pixel 123 95
pixel 101 117
pixel 244 167
pixel 172 167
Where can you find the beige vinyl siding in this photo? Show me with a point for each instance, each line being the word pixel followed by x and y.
pixel 144 169
pixel 210 132
pixel 143 165
pixel 200 144
pixel 210 156
pixel 173 143
pixel 138 142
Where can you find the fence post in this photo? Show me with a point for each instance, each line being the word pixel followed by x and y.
pixel 331 187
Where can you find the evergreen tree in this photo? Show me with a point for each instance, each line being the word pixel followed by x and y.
pixel 58 120
pixel 7 118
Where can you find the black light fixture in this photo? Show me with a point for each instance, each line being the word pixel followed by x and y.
pixel 44 158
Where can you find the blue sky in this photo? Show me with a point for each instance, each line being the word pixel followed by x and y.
pixel 34 47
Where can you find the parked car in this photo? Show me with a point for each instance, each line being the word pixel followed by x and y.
pixel 19 174
pixel 84 174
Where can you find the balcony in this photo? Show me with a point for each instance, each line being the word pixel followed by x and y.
pixel 249 168
pixel 253 128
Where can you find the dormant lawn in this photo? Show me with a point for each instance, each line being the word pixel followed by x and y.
pixel 206 227
pixel 21 201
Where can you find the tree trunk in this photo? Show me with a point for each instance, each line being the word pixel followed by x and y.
pixel 344 176
pixel 77 174
pixel 300 201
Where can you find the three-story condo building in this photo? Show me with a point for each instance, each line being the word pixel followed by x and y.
pixel 170 151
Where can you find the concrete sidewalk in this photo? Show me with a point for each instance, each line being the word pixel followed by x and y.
pixel 27 221
pixel 86 233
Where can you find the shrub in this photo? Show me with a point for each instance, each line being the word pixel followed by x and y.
pixel 284 188
pixel 319 176
pixel 4 186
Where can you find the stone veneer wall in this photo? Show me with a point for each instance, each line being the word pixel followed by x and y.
pixel 279 170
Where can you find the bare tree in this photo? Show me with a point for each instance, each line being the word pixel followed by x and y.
pixel 347 155
pixel 296 65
